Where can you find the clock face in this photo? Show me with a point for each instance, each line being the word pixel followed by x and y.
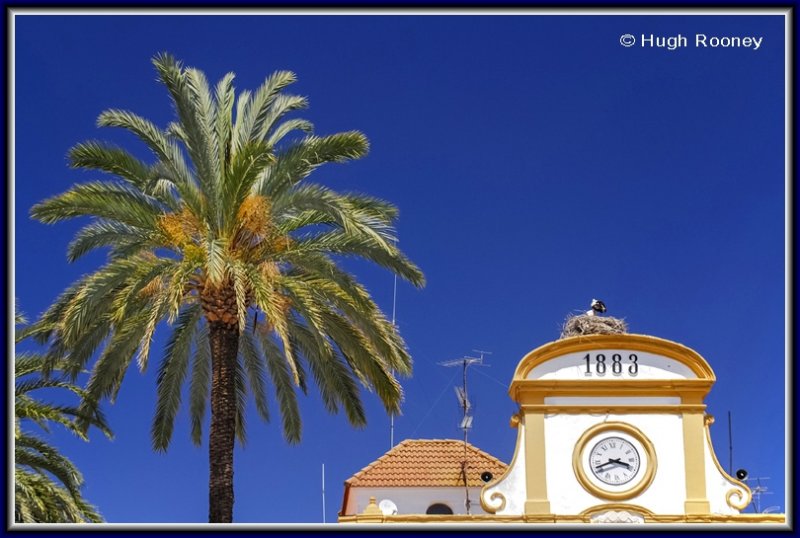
pixel 614 460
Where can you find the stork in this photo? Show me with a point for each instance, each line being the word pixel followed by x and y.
pixel 597 306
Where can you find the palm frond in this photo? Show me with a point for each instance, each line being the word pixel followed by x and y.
pixel 38 499
pixel 109 370
pixel 224 96
pixel 254 366
pixel 167 151
pixel 166 301
pixel 240 389
pixel 30 451
pixel 171 376
pixel 245 167
pixel 353 244
pixel 216 260
pixel 145 272
pixel 299 160
pixel 94 297
pixel 19 317
pixel 333 377
pixel 111 159
pixel 251 114
pixel 46 483
pixel 108 200
pixel 373 372
pixel 279 132
pixel 43 414
pixel 194 106
pixel 73 358
pixel 281 377
pixel 108 233
pixel 282 105
pixel 199 386
pixel 240 287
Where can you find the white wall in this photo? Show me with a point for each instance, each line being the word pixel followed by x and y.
pixel 718 485
pixel 415 500
pixel 512 487
pixel 665 495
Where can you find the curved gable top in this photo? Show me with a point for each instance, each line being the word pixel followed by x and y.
pixel 656 358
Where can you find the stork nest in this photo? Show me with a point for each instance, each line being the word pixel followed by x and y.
pixel 581 324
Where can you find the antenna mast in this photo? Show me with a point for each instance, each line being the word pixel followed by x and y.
pixel 730 446
pixel 759 490
pixel 463 401
pixel 394 326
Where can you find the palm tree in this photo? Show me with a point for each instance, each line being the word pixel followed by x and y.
pixel 238 252
pixel 46 483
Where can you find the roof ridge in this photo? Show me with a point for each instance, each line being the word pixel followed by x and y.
pixel 470 445
pixel 484 453
pixel 379 460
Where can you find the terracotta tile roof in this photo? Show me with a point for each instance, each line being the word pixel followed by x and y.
pixel 427 463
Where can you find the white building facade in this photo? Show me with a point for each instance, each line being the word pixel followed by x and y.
pixel 611 429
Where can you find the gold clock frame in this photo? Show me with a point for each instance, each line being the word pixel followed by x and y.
pixel 594 489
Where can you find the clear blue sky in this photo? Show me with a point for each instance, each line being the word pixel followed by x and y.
pixel 536 162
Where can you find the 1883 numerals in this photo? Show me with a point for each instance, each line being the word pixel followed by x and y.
pixel 615 364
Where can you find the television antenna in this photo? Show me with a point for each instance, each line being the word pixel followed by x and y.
pixel 462 395
pixel 758 490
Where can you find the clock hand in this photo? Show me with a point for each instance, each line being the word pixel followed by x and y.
pixel 610 462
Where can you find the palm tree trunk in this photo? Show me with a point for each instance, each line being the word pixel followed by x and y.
pixel 224 339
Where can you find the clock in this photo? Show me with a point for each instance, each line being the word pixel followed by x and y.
pixel 614 460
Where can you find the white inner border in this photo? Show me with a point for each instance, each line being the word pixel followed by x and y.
pixel 788 161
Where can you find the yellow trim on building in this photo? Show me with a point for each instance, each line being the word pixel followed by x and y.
pixel 584 517
pixel 694 464
pixel 676 409
pixel 745 496
pixel 497 496
pixel 534 391
pixel 587 514
pixel 637 342
pixel 535 464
